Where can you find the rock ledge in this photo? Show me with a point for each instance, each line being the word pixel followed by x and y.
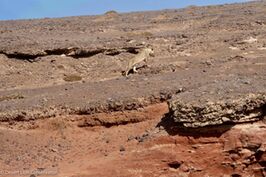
pixel 247 108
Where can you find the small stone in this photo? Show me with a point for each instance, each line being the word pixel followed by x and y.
pixel 191 151
pixel 225 119
pixel 161 128
pixel 140 139
pixel 234 165
pixel 196 146
pixel 130 138
pixel 184 168
pixel 53 150
pixel 175 164
pixel 208 63
pixel 234 157
pixel 247 82
pixel 131 41
pixel 122 148
pixel 245 153
pixel 145 134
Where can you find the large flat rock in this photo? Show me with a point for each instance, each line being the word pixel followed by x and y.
pixel 237 109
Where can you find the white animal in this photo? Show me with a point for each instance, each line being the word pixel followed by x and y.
pixel 141 56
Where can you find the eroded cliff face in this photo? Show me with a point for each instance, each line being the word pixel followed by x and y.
pixel 195 109
pixel 217 111
pixel 143 142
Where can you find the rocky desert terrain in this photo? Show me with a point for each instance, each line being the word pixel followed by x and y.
pixel 197 108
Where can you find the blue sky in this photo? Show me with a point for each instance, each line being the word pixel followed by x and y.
pixel 25 9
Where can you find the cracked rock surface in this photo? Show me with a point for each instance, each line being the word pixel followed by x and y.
pixel 245 108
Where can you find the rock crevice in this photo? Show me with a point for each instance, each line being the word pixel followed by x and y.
pixel 74 52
